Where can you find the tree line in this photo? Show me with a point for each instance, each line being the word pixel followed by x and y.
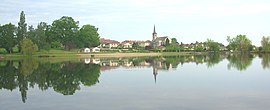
pixel 240 43
pixel 62 33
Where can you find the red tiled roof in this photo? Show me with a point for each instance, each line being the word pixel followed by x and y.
pixel 106 41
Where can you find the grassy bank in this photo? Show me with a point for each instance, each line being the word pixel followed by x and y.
pixel 74 54
pixel 51 53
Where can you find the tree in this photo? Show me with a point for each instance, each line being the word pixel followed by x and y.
pixel 174 41
pixel 28 47
pixel 31 34
pixel 212 46
pixel 41 35
pixel 135 45
pixel 265 44
pixel 167 42
pixel 22 29
pixel 7 36
pixel 88 36
pixel 64 30
pixel 239 43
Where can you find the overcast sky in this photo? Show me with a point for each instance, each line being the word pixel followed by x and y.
pixel 186 20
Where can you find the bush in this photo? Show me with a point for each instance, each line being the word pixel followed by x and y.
pixel 28 47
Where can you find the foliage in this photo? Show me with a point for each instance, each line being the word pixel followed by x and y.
pixel 7 36
pixel 167 42
pixel 173 48
pixel 239 61
pixel 135 45
pixel 199 47
pixel 212 45
pixel 88 36
pixel 63 77
pixel 214 58
pixel 22 29
pixel 28 47
pixel 65 30
pixel 174 41
pixel 265 44
pixel 265 61
pixel 239 43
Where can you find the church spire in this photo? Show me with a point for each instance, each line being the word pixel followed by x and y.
pixel 154 30
pixel 154 35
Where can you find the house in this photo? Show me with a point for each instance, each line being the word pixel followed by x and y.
pixel 127 43
pixel 144 43
pixel 159 41
pixel 95 49
pixel 85 50
pixel 107 43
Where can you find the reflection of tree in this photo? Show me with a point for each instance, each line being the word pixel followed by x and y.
pixel 214 58
pixel 28 65
pixel 265 61
pixel 7 73
pixel 64 78
pixel 67 81
pixel 239 61
pixel 172 60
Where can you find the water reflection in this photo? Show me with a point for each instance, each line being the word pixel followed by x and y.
pixel 157 63
pixel 64 77
pixel 265 61
pixel 67 77
pixel 240 61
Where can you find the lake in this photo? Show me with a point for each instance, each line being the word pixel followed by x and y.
pixel 193 82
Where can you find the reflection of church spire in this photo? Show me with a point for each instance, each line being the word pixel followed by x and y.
pixel 155 74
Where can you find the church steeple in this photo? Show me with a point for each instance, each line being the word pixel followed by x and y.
pixel 154 35
pixel 154 30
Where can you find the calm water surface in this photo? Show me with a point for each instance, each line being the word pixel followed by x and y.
pixel 212 82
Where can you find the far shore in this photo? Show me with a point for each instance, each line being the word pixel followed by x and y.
pixel 75 55
pixel 138 54
pixel 119 55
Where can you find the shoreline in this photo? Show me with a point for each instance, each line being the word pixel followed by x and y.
pixel 118 55
pixel 101 55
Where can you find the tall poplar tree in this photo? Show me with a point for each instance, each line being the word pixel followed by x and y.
pixel 22 29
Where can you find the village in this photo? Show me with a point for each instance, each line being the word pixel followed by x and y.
pixel 155 44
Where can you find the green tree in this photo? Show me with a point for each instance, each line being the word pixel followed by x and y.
pixel 22 29
pixel 167 42
pixel 265 44
pixel 135 45
pixel 239 43
pixel 212 45
pixel 31 34
pixel 88 36
pixel 174 41
pixel 42 41
pixel 65 30
pixel 28 47
pixel 7 36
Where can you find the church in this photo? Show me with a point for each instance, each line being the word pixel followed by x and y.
pixel 159 41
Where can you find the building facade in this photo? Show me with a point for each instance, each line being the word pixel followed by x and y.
pixel 159 41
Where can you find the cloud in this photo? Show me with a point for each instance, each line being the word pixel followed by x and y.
pixel 209 8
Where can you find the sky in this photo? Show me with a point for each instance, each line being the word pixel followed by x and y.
pixel 187 20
